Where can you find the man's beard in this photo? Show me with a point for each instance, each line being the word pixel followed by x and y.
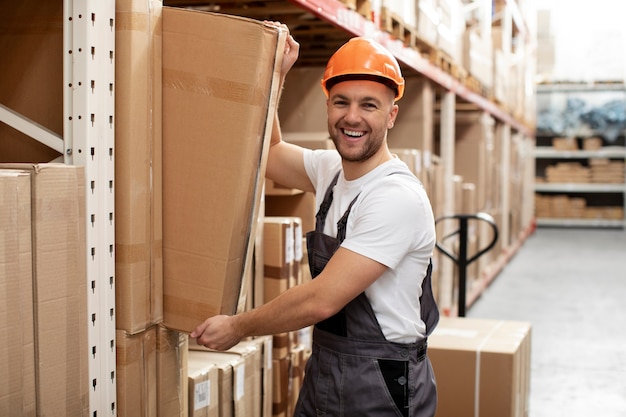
pixel 369 150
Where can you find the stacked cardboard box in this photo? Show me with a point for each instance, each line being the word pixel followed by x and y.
pixel 17 349
pixel 568 172
pixel 138 166
pixel 244 383
pixel 603 170
pixel 48 233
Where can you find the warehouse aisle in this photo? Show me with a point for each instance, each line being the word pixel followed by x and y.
pixel 570 284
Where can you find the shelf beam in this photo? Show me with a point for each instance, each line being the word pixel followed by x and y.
pixel 31 128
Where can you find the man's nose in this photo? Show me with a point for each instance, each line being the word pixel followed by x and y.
pixel 353 114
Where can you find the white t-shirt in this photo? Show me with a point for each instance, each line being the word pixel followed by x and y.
pixel 392 223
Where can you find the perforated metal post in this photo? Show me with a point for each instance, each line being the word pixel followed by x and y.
pixel 89 139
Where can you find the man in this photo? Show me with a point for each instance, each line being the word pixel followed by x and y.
pixel 370 300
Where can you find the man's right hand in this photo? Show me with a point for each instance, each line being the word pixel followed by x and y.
pixel 292 49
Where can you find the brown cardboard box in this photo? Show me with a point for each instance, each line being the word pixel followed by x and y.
pixel 247 386
pixel 266 343
pixel 136 358
pixel 172 388
pixel 60 292
pixel 280 386
pixel 220 84
pixel 203 382
pixel 138 166
pixel 231 377
pixel 17 351
pixel 278 251
pixel 482 367
pixel 472 135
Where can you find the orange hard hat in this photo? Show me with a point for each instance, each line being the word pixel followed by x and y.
pixel 363 58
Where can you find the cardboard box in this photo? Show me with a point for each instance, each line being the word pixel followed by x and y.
pixel 220 85
pixel 17 351
pixel 482 367
pixel 280 386
pixel 60 292
pixel 172 388
pixel 203 382
pixel 248 383
pixel 138 166
pixel 136 356
pixel 231 380
pixel 278 250
pixel 266 343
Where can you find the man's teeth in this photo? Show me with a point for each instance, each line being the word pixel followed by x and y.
pixel 353 133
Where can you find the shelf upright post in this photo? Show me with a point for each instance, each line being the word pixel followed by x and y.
pixel 89 133
pixel 504 136
pixel 448 117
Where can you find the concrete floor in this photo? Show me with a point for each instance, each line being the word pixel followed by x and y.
pixel 570 284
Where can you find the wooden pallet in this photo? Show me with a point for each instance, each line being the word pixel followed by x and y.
pixel 362 7
pixel 393 24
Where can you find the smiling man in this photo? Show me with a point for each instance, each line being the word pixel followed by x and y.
pixel 371 299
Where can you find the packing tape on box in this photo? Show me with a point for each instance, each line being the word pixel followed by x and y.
pixel 477 374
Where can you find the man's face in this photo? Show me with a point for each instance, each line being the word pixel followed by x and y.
pixel 359 114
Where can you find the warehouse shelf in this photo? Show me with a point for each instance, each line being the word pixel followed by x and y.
pixel 599 223
pixel 87 43
pixel 581 132
pixel 335 12
pixel 605 152
pixel 580 188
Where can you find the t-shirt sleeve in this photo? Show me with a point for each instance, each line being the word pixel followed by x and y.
pixel 391 220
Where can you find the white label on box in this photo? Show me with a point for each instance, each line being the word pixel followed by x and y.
pixel 239 389
pixel 298 241
pixel 202 395
pixel 289 244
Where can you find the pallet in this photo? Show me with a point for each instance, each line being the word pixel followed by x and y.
pixel 362 7
pixel 393 24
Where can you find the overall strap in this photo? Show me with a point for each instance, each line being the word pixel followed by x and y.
pixel 320 217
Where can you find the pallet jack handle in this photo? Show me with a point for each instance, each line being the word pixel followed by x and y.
pixel 462 261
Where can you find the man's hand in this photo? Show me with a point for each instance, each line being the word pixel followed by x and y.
pixel 217 332
pixel 292 49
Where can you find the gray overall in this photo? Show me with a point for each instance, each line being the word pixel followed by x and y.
pixel 353 369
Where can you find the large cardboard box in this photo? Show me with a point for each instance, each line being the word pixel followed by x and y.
pixel 136 356
pixel 138 166
pixel 59 287
pixel 17 352
pixel 220 85
pixel 172 383
pixel 482 367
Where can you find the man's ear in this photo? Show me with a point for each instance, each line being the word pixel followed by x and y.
pixel 393 114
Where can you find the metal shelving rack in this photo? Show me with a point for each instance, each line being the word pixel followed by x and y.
pixel 550 154
pixel 89 140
